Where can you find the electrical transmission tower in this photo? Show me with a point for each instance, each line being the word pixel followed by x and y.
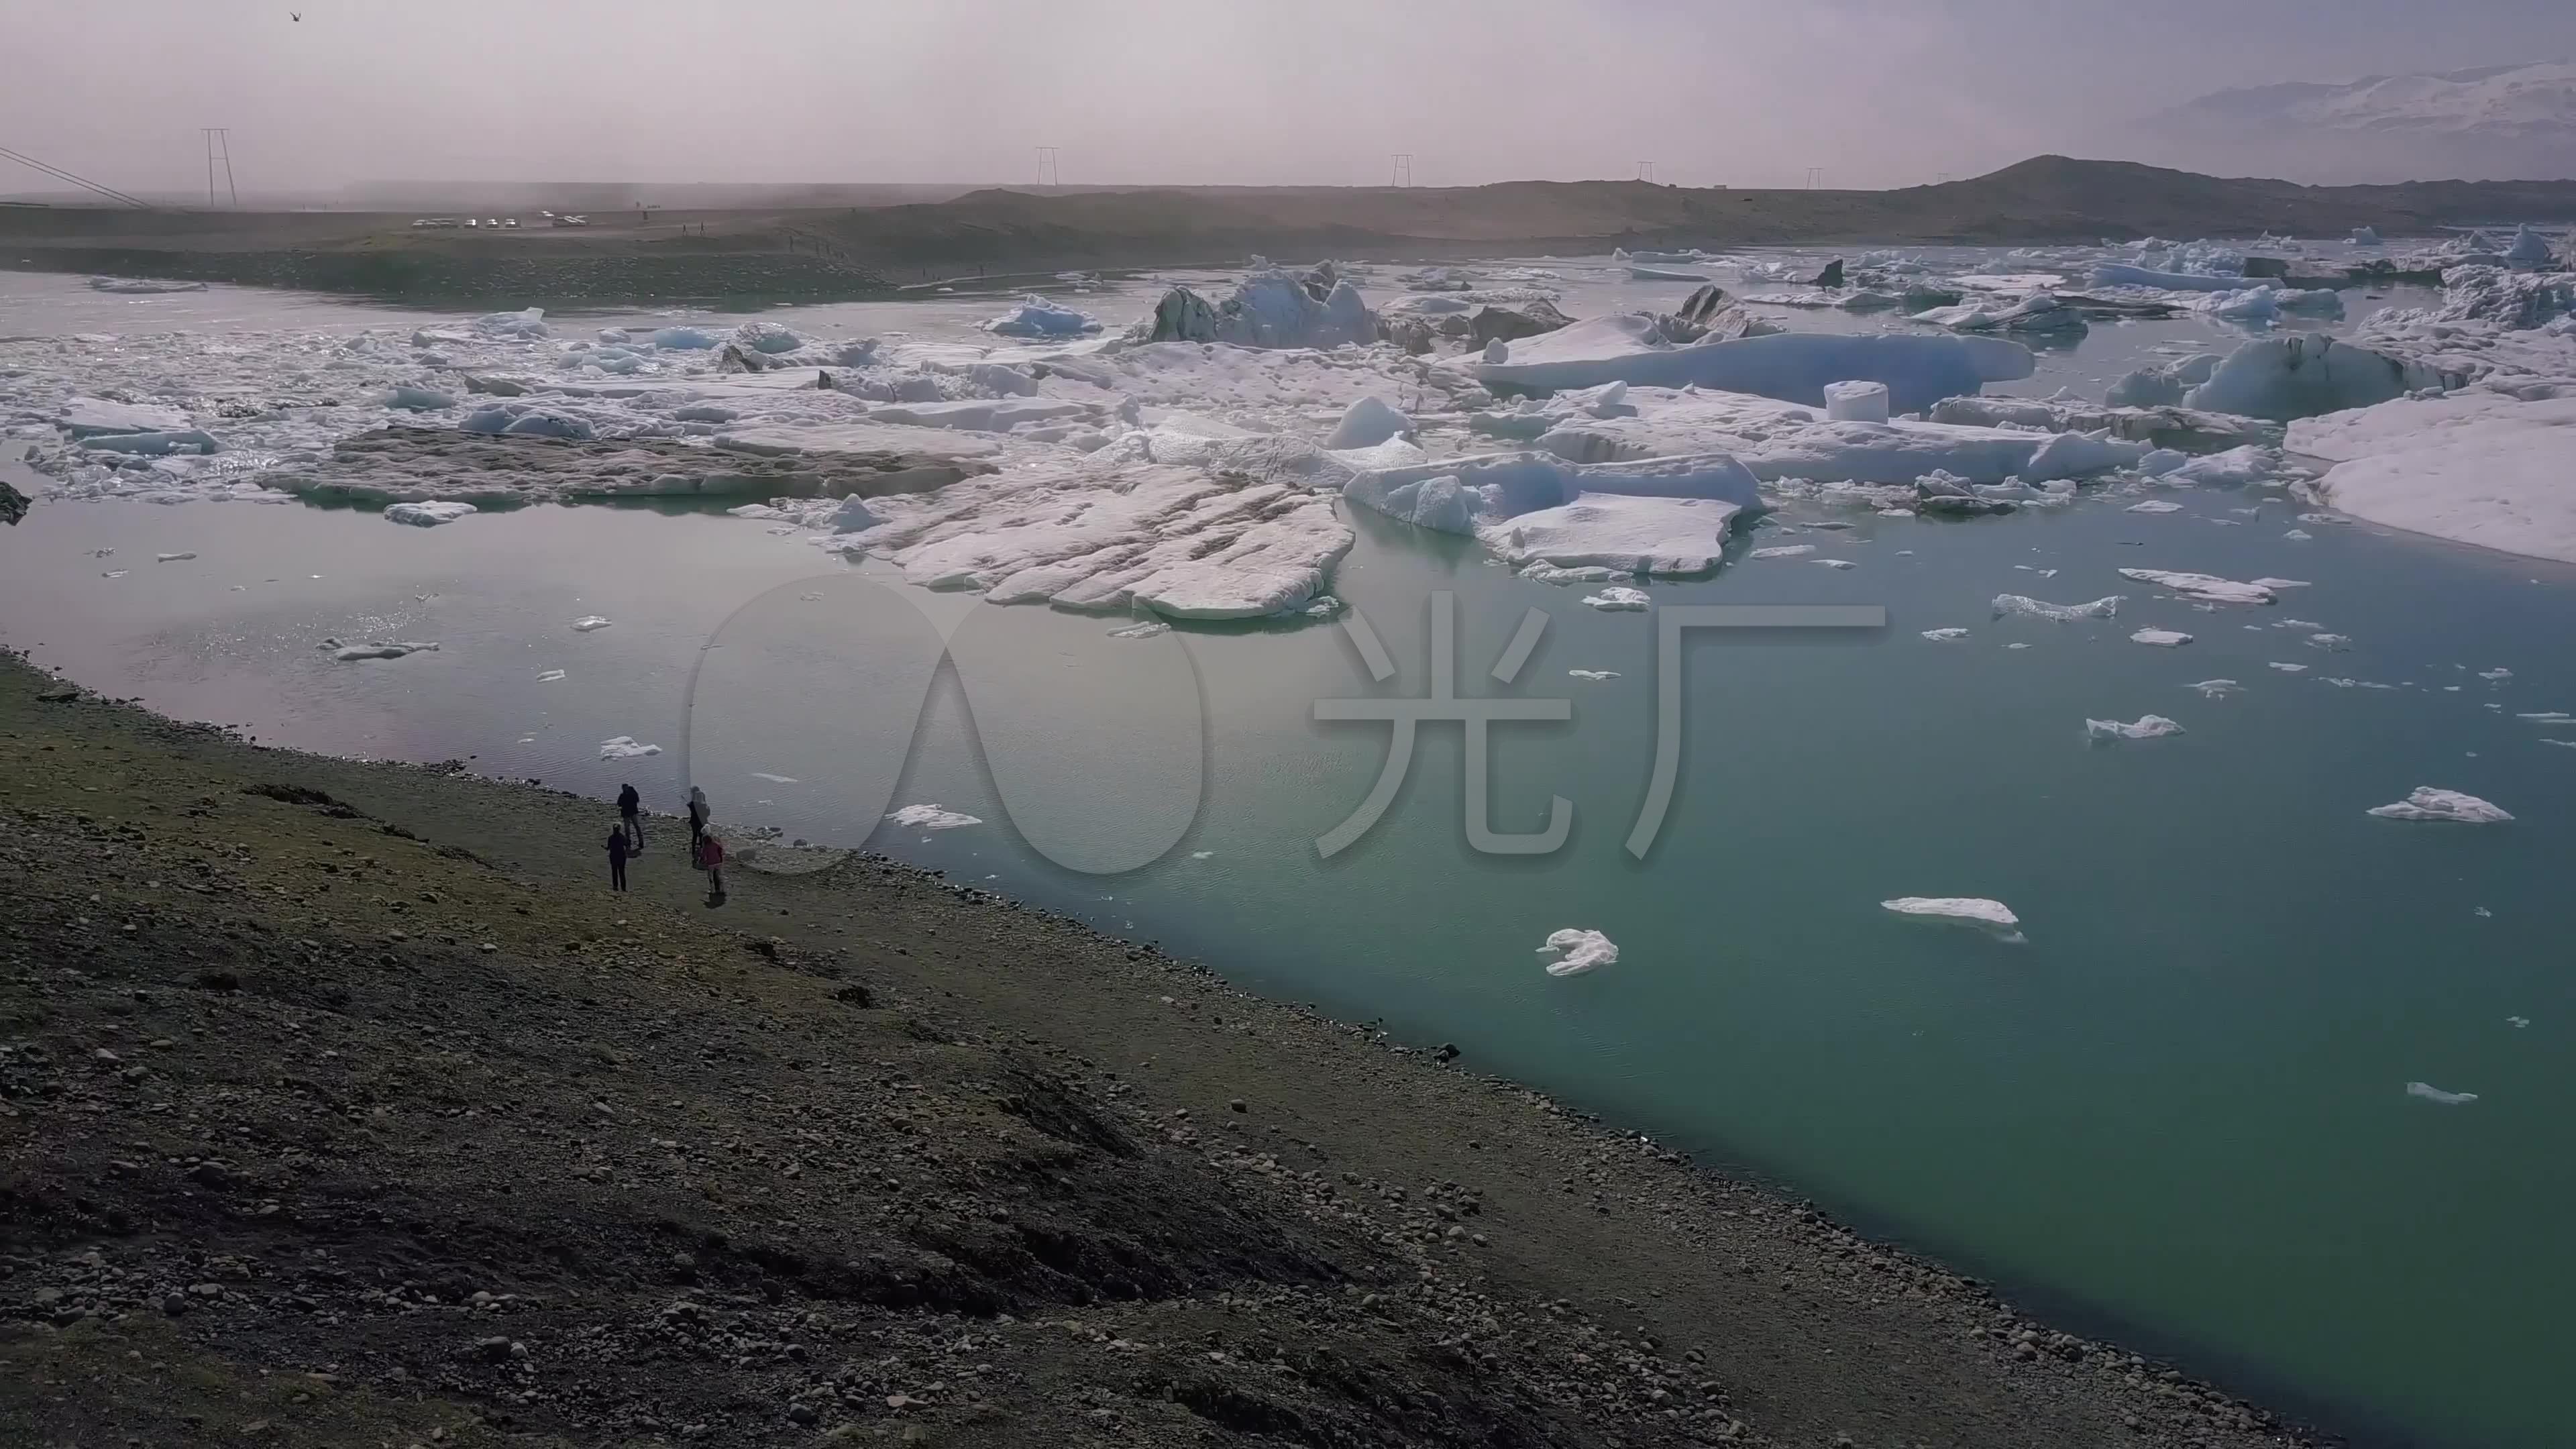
pixel 1050 170
pixel 1646 172
pixel 1401 174
pixel 219 147
pixel 1815 177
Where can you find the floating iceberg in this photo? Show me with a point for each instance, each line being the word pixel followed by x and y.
pixel 588 622
pixel 932 817
pixel 2102 608
pixel 349 653
pixel 1776 440
pixel 427 515
pixel 1037 317
pixel 1268 309
pixel 1637 348
pixel 2480 467
pixel 1618 600
pixel 1578 951
pixel 1973 910
pixel 1856 402
pixel 1637 536
pixel 2205 587
pixel 2282 378
pixel 2121 274
pixel 1367 423
pixel 2431 1093
pixel 626 747
pixel 1944 636
pixel 2161 638
pixel 2164 384
pixel 2428 803
pixel 2146 727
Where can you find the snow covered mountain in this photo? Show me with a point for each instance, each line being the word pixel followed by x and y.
pixel 2491 123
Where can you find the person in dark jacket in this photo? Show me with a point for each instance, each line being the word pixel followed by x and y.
pixel 630 814
pixel 699 812
pixel 617 854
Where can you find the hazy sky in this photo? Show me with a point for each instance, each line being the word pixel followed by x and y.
pixel 1877 92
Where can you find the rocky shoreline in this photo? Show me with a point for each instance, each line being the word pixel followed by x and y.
pixel 344 1104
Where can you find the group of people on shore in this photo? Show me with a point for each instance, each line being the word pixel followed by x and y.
pixel 626 841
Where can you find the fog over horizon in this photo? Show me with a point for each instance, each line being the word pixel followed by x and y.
pixel 1134 92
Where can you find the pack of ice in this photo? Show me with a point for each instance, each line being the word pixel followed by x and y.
pixel 2431 1093
pixel 2304 375
pixel 2122 274
pixel 626 747
pixel 2145 727
pixel 528 420
pixel 2529 247
pixel 349 653
pixel 194 440
pixel 932 817
pixel 1944 636
pixel 427 515
pixel 684 339
pixel 2206 587
pixel 2428 803
pixel 1640 536
pixel 1856 402
pixel 2039 312
pixel 87 416
pixel 526 325
pixel 2478 467
pixel 1777 440
pixel 1976 910
pixel 2164 384
pixel 2102 608
pixel 1037 317
pixel 1636 348
pixel 408 397
pixel 1618 600
pixel 1366 423
pixel 1577 951
pixel 1785 550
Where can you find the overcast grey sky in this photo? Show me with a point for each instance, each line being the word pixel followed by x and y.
pixel 1877 92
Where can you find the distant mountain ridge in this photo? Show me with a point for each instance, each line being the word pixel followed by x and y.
pixel 2486 123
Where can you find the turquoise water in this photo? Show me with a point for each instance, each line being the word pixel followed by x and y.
pixel 2176 1111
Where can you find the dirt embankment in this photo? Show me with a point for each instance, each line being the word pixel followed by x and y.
pixel 342 1103
pixel 824 252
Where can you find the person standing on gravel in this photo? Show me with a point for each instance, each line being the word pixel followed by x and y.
pixel 630 816
pixel 617 854
pixel 699 810
pixel 711 853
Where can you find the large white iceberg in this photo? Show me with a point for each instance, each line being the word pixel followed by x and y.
pixel 2480 467
pixel 1038 317
pixel 1636 348
pixel 1628 535
pixel 2428 803
pixel 1778 440
pixel 2282 378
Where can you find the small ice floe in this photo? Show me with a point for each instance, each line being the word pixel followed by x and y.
pixel 932 817
pixel 549 676
pixel 2161 638
pixel 773 779
pixel 2548 716
pixel 114 574
pixel 427 515
pixel 2309 625
pixel 1993 916
pixel 172 557
pixel 1835 563
pixel 2102 608
pixel 2330 641
pixel 2517 1022
pixel 1944 636
pixel 2431 1093
pixel 2499 673
pixel 626 747
pixel 1145 630
pixel 2217 688
pixel 1595 675
pixel 2276 585
pixel 2016 646
pixel 1784 550
pixel 348 653
pixel 2562 744
pixel 2428 803
pixel 1201 854
pixel 2289 668
pixel 2155 505
pixel 1578 951
pixel 2146 727
pixel 2207 588
pixel 1615 599
pixel 2298 535
pixel 588 622
pixel 2035 569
